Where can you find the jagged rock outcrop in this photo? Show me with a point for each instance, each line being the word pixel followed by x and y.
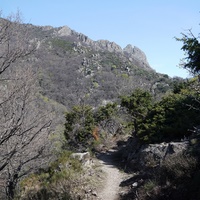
pixel 109 46
pixel 133 50
pixel 64 31
pixel 135 53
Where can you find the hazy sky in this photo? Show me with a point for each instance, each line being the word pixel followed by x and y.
pixel 150 25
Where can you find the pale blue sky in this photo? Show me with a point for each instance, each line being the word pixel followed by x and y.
pixel 150 25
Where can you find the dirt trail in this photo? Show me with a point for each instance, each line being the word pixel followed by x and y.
pixel 114 177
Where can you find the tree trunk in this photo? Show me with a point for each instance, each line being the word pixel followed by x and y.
pixel 11 186
pixel 10 190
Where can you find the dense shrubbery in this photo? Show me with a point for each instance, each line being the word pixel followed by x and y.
pixel 169 119
pixel 85 125
pixel 78 127
pixel 138 105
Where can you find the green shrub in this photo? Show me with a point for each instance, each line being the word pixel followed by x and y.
pixel 63 44
pixel 169 119
pixel 125 76
pixel 78 127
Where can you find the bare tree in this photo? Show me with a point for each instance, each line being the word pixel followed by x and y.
pixel 13 41
pixel 23 124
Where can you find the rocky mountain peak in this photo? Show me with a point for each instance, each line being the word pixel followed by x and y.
pixel 133 53
pixel 137 54
pixel 129 49
pixel 64 31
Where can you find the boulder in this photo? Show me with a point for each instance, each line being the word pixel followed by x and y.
pixel 152 155
pixel 160 151
pixel 83 157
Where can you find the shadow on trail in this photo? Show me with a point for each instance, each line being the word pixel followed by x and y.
pixel 113 156
pixel 108 158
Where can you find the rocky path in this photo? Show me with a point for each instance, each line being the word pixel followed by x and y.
pixel 113 177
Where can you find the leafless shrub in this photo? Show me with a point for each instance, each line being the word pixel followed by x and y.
pixel 178 166
pixel 23 125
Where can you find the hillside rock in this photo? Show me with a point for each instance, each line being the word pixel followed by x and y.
pixel 160 151
pixel 156 153
pixel 152 155
pixel 109 46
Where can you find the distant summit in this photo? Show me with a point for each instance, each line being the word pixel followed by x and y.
pixel 74 68
pixel 134 53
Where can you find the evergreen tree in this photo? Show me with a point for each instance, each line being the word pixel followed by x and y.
pixel 191 47
pixel 138 105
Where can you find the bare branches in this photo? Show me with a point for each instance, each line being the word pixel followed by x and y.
pixel 24 126
pixel 13 41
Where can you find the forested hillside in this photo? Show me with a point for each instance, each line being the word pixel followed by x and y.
pixel 73 68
